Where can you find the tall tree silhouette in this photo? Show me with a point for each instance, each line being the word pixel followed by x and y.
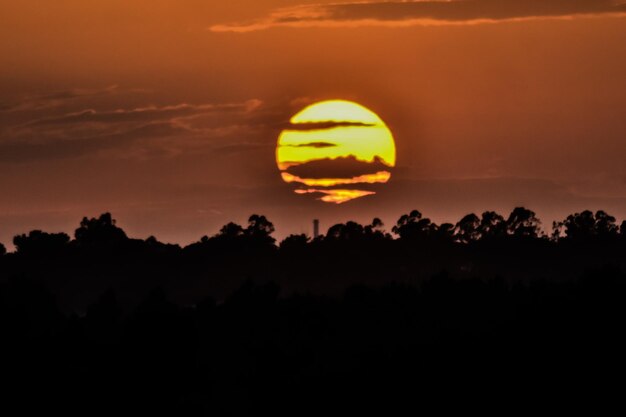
pixel 523 223
pixel 413 226
pixel 468 228
pixel 605 225
pixel 492 225
pixel 260 230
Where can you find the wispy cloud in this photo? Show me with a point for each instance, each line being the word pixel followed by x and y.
pixel 422 12
pixel 143 114
pixel 150 130
pixel 33 102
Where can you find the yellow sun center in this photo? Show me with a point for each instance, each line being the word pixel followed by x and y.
pixel 336 143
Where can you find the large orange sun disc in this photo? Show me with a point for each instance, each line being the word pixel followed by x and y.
pixel 333 144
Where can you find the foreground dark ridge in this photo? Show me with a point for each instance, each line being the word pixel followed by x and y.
pixel 451 345
pixel 488 312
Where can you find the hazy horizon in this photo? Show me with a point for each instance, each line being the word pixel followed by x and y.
pixel 167 113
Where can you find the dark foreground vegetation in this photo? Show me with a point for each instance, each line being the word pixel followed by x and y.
pixel 488 313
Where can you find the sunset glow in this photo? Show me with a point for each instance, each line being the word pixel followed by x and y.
pixel 336 196
pixel 379 177
pixel 181 116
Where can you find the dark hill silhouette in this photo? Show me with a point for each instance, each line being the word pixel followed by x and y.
pixel 489 313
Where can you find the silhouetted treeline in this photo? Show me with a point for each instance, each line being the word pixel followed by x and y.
pixel 101 256
pixel 490 312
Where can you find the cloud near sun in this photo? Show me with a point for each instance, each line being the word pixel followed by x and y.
pixel 423 12
pixel 333 144
pixel 79 122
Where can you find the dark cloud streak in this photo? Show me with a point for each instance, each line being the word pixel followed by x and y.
pixel 468 10
pixel 404 13
pixel 312 145
pixel 347 167
pixel 44 101
pixel 148 130
pixel 325 125
pixel 136 115
pixel 25 151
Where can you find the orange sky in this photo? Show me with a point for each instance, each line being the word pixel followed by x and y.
pixel 157 111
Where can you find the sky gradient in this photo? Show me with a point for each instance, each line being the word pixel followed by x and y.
pixel 166 113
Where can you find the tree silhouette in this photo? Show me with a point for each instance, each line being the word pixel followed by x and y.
pixel 293 243
pixel 355 232
pixel 605 226
pixel 230 231
pixel 375 229
pixel 260 230
pixel 586 226
pixel 444 232
pixel 492 225
pixel 467 229
pixel 523 223
pixel 99 231
pixel 40 243
pixel 413 226
pixel 350 231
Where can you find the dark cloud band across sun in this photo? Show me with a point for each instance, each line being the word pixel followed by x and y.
pixel 427 12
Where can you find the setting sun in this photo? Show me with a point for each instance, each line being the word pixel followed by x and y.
pixel 333 143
